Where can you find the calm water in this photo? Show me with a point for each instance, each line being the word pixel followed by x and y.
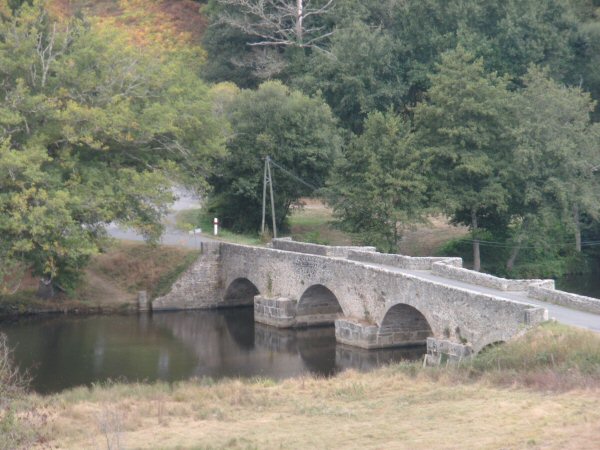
pixel 584 284
pixel 64 351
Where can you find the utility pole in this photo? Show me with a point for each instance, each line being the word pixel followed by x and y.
pixel 268 179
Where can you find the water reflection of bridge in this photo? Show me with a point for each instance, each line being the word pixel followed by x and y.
pixel 229 343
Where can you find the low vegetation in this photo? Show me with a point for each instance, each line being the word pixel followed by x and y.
pixel 110 282
pixel 539 391
pixel 17 418
pixel 309 222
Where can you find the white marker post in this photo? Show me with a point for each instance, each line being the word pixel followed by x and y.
pixel 216 226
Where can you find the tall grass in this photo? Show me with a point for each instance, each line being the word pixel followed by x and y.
pixel 18 422
pixel 551 356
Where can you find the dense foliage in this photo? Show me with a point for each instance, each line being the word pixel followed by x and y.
pixel 91 131
pixel 474 108
pixel 296 131
pixel 479 109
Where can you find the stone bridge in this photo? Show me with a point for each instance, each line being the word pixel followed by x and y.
pixel 375 300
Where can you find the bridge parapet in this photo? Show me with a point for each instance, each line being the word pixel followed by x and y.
pixel 335 251
pixel 402 261
pixel 549 294
pixel 453 272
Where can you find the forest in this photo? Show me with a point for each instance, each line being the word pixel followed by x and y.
pixel 393 111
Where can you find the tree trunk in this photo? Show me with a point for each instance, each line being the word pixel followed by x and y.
pixel 299 19
pixel 577 228
pixel 45 289
pixel 476 253
pixel 513 256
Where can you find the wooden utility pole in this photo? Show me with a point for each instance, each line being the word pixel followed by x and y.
pixel 268 179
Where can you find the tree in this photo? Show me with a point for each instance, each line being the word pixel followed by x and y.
pixel 297 131
pixel 360 73
pixel 464 130
pixel 251 41
pixel 91 132
pixel 378 188
pixel 277 23
pixel 557 155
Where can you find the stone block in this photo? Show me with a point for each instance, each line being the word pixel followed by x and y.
pixel 440 351
pixel 278 312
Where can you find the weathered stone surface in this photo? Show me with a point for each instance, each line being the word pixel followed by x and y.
pixel 369 336
pixel 316 249
pixel 282 312
pixel 377 304
pixel 440 351
pixel 356 333
pixel 366 292
pixel 143 303
pixel 483 279
pixel 402 261
pixel 278 312
pixel 199 286
pixel 567 299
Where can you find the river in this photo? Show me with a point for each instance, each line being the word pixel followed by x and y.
pixel 60 352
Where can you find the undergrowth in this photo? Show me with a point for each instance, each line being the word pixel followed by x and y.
pixel 552 357
pixel 19 421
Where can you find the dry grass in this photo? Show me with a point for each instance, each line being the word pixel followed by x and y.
pixel 128 267
pixel 399 406
pixel 312 222
pixel 426 239
pixel 111 281
pixel 383 409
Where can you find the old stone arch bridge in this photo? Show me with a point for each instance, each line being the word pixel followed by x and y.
pixel 375 300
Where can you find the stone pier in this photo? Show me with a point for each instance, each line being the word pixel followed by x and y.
pixel 284 312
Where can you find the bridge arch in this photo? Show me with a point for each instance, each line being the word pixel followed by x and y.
pixel 404 325
pixel 490 346
pixel 240 291
pixel 318 305
pixel 489 340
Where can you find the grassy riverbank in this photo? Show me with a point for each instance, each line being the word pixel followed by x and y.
pixel 313 222
pixel 110 282
pixel 540 391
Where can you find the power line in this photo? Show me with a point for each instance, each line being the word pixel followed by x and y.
pixel 496 244
pixel 294 176
pixel 509 245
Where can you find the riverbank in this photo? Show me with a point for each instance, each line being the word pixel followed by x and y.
pixel 110 283
pixel 540 391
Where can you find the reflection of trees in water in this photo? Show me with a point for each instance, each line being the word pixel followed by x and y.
pixel 348 357
pixel 229 343
pixel 317 349
pixel 240 323
pixel 66 351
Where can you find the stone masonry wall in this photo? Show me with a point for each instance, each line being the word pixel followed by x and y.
pixel 401 261
pixel 484 279
pixel 316 249
pixel 567 299
pixel 368 293
pixel 200 286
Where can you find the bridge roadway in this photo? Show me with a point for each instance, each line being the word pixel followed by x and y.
pixel 562 314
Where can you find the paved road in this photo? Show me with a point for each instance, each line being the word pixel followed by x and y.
pixel 562 314
pixel 171 236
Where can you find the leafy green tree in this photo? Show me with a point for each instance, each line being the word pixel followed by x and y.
pixel 378 188
pixel 297 131
pixel 91 132
pixel 557 155
pixel 464 131
pixel 360 73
